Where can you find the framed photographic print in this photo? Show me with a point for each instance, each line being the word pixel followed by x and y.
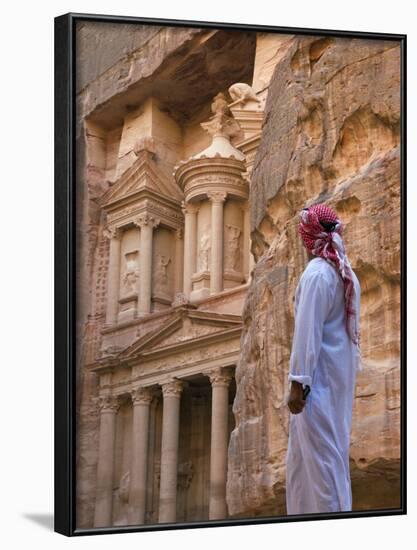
pixel 230 274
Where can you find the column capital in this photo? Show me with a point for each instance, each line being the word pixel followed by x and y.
pixel 190 207
pixel 220 376
pixel 146 220
pixel 112 232
pixel 217 196
pixel 179 233
pixel 142 395
pixel 108 403
pixel 173 387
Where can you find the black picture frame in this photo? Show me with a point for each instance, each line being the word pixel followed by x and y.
pixel 65 276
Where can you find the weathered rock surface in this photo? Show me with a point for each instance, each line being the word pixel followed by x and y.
pixel 331 133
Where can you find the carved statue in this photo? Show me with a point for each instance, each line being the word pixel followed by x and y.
pixel 161 272
pixel 232 256
pixel 219 105
pixel 185 474
pixel 131 273
pixel 121 509
pixel 242 93
pixel 222 123
pixel 204 250
pixel 124 487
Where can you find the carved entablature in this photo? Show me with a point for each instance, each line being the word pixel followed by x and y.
pixel 188 339
pixel 201 176
pixel 168 217
pixel 143 189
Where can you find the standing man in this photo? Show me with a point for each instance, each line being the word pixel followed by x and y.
pixel 324 358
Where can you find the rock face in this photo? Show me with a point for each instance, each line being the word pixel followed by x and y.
pixel 331 133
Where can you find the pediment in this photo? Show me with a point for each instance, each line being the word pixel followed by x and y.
pixel 185 327
pixel 143 175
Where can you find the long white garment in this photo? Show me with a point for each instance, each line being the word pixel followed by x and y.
pixel 324 357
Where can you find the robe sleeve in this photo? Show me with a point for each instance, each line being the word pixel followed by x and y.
pixel 314 302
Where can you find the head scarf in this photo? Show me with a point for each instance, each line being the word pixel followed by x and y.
pixel 328 244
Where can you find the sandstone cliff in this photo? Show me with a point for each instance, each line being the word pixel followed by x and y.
pixel 331 133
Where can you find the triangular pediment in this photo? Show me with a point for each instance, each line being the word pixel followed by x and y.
pixel 186 326
pixel 143 175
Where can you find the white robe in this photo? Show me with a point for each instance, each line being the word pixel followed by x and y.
pixel 324 357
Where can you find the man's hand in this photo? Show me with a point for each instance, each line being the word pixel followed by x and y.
pixel 295 401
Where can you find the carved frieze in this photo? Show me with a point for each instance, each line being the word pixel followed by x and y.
pixel 198 181
pixel 190 356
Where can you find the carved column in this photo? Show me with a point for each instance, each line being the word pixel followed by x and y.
pixel 147 224
pixel 109 406
pixel 220 379
pixel 246 239
pixel 141 399
pixel 169 450
pixel 179 260
pixel 190 245
pixel 217 239
pixel 113 277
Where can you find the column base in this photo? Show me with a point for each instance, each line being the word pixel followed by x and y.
pixel 127 308
pixel 161 302
pixel 201 286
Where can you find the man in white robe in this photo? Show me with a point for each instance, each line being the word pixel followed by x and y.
pixel 325 355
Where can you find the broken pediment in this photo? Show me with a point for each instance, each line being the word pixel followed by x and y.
pixel 186 328
pixel 143 176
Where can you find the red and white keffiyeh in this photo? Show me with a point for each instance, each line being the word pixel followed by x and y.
pixel 328 244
